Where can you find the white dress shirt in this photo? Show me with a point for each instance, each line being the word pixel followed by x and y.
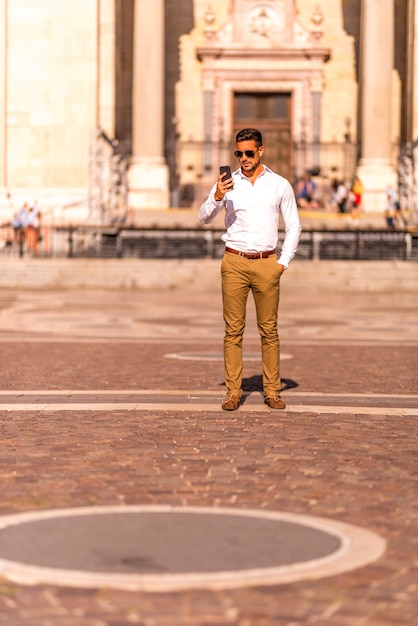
pixel 252 214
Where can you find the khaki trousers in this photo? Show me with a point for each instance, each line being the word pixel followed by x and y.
pixel 262 276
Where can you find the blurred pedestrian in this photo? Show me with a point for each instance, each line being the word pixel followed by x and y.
pixel 341 196
pixel 305 192
pixel 19 224
pixel 356 197
pixel 33 228
pixel 391 210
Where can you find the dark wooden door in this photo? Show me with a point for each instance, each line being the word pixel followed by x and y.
pixel 271 114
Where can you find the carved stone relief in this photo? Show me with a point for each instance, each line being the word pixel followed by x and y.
pixel 269 22
pixel 263 23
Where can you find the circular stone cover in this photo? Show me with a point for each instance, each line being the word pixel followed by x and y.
pixel 167 548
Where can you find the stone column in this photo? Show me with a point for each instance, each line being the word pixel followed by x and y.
pixel 377 55
pixel 316 86
pixel 208 123
pixel 148 178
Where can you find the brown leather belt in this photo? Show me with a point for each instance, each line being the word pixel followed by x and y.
pixel 251 255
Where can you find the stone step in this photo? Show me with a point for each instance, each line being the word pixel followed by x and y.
pixel 38 273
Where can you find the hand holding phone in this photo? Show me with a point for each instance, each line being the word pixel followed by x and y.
pixel 226 170
pixel 222 187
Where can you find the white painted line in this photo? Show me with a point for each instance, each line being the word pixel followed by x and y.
pixel 358 547
pixel 57 338
pixel 102 392
pixel 189 394
pixel 76 406
pixel 320 394
pixel 195 401
pixel 111 392
pixel 353 410
pixel 217 356
pixel 201 407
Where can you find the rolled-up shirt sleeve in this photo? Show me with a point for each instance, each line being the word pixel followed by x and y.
pixel 292 227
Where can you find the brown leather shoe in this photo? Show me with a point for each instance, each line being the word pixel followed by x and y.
pixel 231 403
pixel 275 402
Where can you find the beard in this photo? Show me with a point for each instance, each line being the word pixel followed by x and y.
pixel 250 166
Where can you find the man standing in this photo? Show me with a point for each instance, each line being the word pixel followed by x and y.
pixel 253 199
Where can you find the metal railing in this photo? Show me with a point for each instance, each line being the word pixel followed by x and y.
pixel 201 243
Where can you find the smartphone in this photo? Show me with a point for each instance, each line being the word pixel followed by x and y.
pixel 227 170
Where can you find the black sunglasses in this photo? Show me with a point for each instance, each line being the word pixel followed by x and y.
pixel 249 153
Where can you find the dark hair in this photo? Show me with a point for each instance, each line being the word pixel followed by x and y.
pixel 250 134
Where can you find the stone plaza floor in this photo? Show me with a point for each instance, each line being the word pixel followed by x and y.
pixel 111 398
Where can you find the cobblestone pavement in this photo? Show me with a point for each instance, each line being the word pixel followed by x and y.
pixel 113 398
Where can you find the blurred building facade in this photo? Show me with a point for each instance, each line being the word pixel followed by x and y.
pixel 118 105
